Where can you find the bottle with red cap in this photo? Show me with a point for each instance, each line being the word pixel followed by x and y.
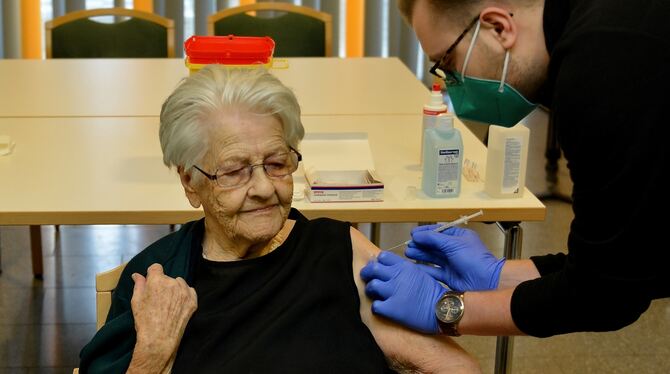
pixel 431 110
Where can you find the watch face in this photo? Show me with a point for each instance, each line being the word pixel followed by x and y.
pixel 449 308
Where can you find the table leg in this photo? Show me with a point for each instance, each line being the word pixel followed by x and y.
pixel 36 250
pixel 512 251
pixel 375 232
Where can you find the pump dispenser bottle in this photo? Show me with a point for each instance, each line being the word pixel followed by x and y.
pixel 442 159
pixel 506 160
pixel 434 108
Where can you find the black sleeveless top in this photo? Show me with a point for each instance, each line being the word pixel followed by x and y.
pixel 294 310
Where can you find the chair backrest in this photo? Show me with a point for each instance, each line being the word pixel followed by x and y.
pixel 105 283
pixel 298 31
pixel 143 34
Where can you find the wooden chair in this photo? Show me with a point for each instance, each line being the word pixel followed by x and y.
pixel 75 35
pixel 298 31
pixel 105 283
pixel 143 34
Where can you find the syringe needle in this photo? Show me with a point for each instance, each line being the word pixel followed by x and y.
pixel 459 221
pixel 398 245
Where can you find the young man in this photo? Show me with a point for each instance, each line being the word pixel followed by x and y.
pixel 595 64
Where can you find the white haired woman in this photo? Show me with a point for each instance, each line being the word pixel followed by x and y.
pixel 254 286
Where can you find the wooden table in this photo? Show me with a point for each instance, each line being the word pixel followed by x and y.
pixel 138 87
pixel 109 171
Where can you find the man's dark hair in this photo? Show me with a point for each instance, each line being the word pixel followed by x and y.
pixel 458 7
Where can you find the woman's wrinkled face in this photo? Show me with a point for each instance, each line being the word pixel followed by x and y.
pixel 253 212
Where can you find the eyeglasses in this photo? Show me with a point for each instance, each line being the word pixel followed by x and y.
pixel 275 166
pixel 441 67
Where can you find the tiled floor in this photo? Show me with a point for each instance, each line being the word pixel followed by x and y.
pixel 44 324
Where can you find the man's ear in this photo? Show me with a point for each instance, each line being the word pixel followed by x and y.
pixel 187 182
pixel 501 23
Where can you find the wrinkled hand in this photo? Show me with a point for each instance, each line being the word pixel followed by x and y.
pixel 162 307
pixel 402 292
pixel 466 264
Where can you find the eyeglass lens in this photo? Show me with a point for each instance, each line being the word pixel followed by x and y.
pixel 275 167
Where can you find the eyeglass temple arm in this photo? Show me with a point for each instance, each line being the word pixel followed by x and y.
pixel 209 176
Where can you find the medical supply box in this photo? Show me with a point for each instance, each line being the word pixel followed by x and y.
pixel 339 168
pixel 230 50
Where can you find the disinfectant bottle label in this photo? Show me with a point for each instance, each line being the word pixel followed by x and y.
pixel 512 167
pixel 447 171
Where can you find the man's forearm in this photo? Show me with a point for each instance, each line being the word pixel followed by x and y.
pixel 488 313
pixel 517 271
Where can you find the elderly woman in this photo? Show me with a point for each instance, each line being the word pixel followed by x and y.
pixel 254 286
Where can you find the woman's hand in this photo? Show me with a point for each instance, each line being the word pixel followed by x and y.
pixel 162 307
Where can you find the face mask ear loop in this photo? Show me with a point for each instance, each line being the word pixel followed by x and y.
pixel 467 55
pixel 504 72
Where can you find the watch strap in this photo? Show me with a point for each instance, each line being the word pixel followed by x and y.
pixel 449 329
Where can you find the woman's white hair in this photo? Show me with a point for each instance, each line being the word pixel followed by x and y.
pixel 185 114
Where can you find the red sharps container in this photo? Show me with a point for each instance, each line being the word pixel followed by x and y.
pixel 230 50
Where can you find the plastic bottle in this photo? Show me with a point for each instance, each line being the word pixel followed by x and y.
pixel 434 108
pixel 442 159
pixel 506 161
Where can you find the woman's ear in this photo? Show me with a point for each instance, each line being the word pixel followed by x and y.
pixel 501 23
pixel 187 182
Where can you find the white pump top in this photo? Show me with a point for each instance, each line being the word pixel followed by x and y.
pixel 436 103
pixel 436 98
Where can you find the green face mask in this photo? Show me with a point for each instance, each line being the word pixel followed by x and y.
pixel 485 100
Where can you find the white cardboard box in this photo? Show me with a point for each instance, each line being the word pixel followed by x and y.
pixel 339 167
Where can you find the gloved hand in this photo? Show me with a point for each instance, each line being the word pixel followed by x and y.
pixel 402 292
pixel 466 264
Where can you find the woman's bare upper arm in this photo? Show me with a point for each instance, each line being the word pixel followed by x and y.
pixel 406 348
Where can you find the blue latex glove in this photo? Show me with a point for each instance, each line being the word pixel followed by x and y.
pixel 466 264
pixel 402 292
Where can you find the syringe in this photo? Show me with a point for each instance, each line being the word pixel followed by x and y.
pixel 460 221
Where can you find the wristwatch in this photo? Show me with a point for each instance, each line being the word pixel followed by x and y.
pixel 449 310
